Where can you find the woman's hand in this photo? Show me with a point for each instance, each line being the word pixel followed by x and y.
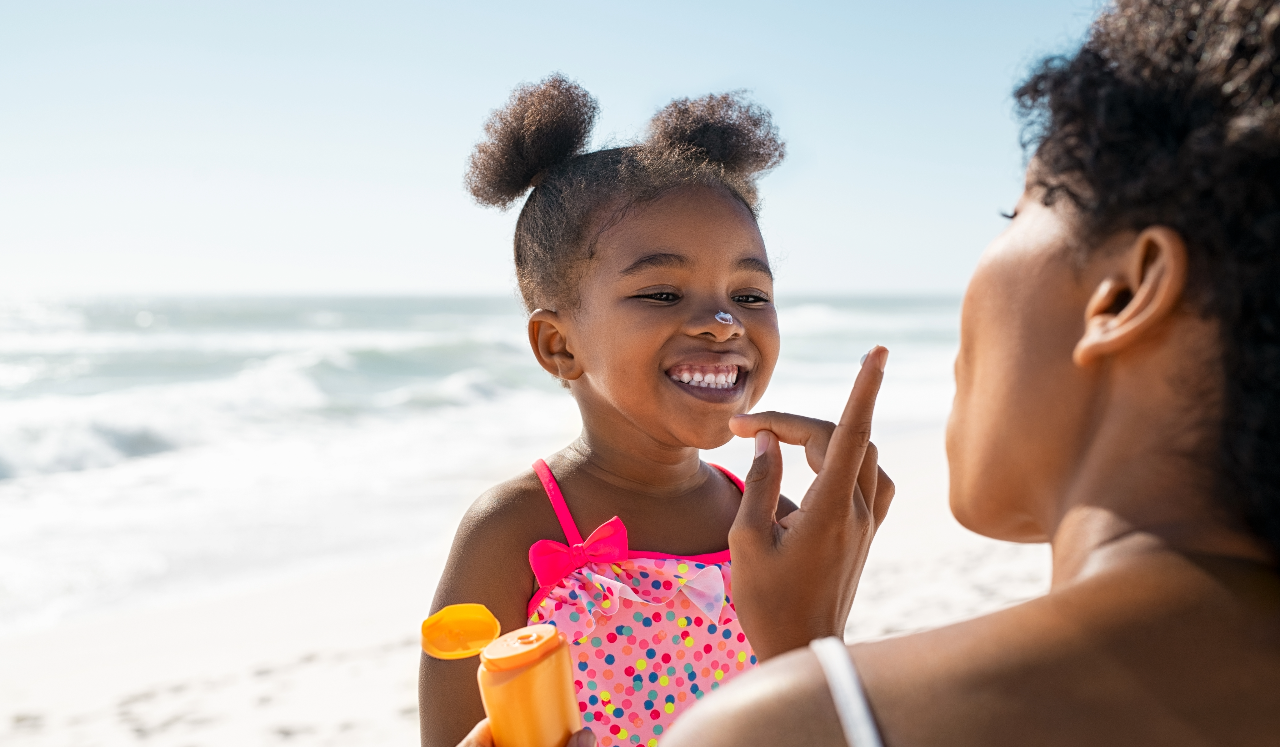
pixel 481 736
pixel 794 578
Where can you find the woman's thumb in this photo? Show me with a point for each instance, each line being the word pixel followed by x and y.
pixel 762 488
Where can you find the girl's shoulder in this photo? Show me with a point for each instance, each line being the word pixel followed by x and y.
pixel 515 512
pixel 489 561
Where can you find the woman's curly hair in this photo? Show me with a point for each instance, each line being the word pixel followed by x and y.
pixel 1168 115
pixel 537 141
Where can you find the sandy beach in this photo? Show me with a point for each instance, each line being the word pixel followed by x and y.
pixel 329 656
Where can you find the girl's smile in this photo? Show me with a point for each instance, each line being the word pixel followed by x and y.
pixel 715 377
pixel 719 384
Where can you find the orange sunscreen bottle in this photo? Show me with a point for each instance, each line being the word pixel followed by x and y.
pixel 526 676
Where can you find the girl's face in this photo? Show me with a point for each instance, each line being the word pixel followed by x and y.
pixel 676 331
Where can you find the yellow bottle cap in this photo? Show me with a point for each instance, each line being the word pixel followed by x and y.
pixel 520 647
pixel 459 631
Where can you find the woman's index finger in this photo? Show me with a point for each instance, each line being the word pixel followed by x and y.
pixel 849 441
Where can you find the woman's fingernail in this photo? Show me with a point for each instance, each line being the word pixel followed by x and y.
pixel 762 442
pixel 863 362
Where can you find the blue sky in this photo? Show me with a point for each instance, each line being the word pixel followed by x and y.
pixel 318 147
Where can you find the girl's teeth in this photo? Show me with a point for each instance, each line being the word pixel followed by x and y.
pixel 720 377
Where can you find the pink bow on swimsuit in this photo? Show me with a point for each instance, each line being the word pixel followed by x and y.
pixel 552 561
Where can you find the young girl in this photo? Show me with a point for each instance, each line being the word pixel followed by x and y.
pixel 650 297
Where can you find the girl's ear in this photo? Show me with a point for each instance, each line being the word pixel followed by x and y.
pixel 548 336
pixel 1145 288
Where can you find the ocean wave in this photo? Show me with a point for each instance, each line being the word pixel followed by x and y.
pixel 31 314
pixel 81 342
pixel 154 445
pixel 59 433
pixel 462 388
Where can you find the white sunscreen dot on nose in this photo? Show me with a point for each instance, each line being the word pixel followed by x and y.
pixel 724 318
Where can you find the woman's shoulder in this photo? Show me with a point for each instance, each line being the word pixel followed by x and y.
pixel 1118 662
pixel 909 683
pixel 977 678
pixel 1157 657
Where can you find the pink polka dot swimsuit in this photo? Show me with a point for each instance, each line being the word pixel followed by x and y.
pixel 650 634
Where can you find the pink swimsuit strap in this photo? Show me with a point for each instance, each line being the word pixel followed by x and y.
pixel 574 536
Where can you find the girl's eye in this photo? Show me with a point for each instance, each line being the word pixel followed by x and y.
pixel 750 299
pixel 1009 216
pixel 661 296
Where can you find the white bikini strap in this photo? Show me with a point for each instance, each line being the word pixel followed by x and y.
pixel 851 704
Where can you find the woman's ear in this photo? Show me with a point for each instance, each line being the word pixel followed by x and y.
pixel 548 336
pixel 1144 289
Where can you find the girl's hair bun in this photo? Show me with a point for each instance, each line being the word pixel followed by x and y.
pixel 541 126
pixel 725 129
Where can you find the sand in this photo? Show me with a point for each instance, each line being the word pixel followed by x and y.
pixel 328 656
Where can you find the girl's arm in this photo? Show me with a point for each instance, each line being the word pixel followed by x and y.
pixel 488 565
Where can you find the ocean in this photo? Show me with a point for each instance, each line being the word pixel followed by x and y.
pixel 152 447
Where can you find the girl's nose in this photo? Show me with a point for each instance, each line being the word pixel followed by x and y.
pixel 717 324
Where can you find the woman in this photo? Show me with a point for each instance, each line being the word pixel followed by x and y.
pixel 1118 395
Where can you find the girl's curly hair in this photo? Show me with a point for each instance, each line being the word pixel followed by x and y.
pixel 1167 115
pixel 537 141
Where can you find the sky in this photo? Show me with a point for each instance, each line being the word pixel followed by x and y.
pixel 269 147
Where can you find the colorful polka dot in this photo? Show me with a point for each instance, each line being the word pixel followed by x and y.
pixel 660 634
